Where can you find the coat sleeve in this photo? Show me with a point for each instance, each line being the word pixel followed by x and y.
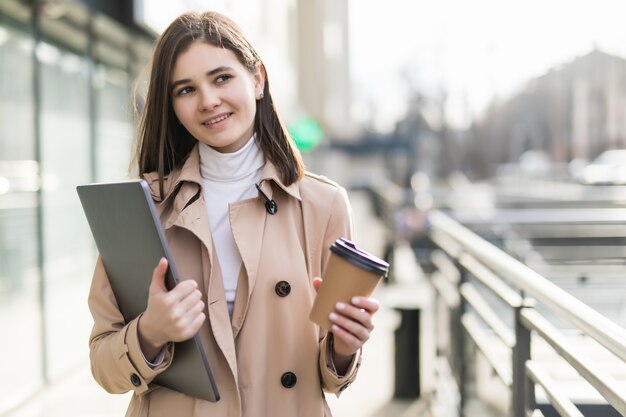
pixel 339 225
pixel 117 362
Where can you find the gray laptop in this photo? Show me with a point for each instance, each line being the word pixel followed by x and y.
pixel 130 239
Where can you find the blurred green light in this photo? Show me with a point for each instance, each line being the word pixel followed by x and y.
pixel 306 133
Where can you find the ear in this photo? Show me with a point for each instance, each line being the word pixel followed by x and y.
pixel 259 79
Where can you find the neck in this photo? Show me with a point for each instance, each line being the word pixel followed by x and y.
pixel 229 167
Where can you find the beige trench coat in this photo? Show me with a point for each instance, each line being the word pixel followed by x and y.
pixel 269 334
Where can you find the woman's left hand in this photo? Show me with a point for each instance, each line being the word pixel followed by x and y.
pixel 352 323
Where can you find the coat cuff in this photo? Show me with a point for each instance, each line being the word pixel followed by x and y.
pixel 331 381
pixel 138 370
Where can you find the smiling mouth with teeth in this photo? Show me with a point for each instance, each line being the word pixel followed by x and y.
pixel 217 119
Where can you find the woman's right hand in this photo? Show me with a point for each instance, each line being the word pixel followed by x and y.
pixel 171 316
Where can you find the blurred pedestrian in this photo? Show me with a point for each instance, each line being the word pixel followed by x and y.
pixel 249 231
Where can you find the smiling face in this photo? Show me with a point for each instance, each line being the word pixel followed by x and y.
pixel 214 96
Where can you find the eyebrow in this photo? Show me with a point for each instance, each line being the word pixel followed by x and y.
pixel 208 74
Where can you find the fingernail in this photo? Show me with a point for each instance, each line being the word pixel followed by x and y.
pixel 340 306
pixel 356 300
pixel 333 316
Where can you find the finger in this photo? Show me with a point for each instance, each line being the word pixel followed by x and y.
pixel 191 302
pixel 196 324
pixel 158 277
pixel 190 329
pixel 181 315
pixel 193 325
pixel 345 337
pixel 365 303
pixel 182 290
pixel 196 310
pixel 317 281
pixel 356 329
pixel 184 319
pixel 356 314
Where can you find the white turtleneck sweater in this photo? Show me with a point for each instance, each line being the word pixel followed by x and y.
pixel 228 178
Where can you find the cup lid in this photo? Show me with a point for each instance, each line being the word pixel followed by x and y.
pixel 348 250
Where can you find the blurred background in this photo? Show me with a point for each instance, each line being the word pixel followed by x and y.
pixel 453 104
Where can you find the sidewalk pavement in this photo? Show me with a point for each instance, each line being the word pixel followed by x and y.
pixel 78 395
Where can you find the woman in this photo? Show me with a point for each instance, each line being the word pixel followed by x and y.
pixel 248 230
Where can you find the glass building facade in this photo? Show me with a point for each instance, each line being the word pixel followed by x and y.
pixel 66 76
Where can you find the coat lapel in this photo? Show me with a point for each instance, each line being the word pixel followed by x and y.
pixel 195 219
pixel 218 316
pixel 247 221
pixel 241 302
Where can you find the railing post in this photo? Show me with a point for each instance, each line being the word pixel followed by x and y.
pixel 530 403
pixel 523 392
pixel 458 343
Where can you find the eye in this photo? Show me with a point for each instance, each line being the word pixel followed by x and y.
pixel 223 78
pixel 183 91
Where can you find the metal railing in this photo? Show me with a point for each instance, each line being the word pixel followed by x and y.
pixel 461 254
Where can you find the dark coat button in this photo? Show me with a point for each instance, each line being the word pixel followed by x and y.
pixel 288 379
pixel 282 288
pixel 134 379
pixel 271 207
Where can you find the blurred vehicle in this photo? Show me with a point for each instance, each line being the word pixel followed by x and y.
pixel 533 163
pixel 609 168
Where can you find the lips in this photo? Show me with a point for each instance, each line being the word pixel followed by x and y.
pixel 216 119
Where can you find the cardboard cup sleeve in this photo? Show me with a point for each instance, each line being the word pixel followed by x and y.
pixel 350 272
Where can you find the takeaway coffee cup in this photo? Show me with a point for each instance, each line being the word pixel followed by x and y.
pixel 350 272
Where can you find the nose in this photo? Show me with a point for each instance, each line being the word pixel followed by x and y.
pixel 209 99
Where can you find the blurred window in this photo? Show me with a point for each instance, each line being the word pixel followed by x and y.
pixel 114 129
pixel 85 134
pixel 20 320
pixel 67 243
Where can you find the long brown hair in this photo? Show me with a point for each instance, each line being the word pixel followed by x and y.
pixel 163 143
